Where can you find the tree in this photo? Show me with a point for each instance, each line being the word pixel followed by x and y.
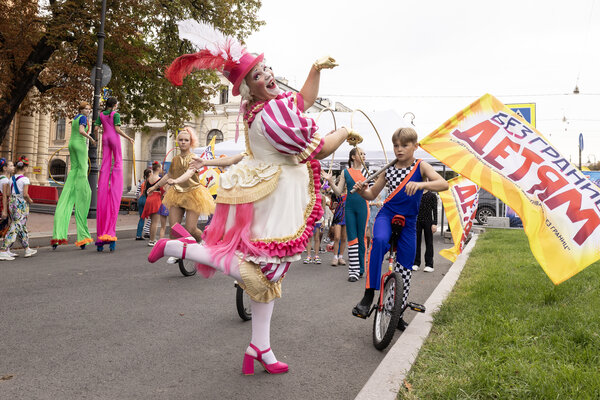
pixel 51 46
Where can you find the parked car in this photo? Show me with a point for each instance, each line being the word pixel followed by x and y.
pixel 487 206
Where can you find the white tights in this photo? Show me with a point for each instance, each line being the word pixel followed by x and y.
pixel 261 312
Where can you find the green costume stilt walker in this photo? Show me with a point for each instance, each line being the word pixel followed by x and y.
pixel 76 191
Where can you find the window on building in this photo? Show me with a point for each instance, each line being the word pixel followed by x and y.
pixel 224 98
pixel 60 129
pixel 158 149
pixel 213 133
pixel 58 169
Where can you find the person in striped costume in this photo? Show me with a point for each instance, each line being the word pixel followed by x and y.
pixel 357 212
pixel 405 182
pixel 269 201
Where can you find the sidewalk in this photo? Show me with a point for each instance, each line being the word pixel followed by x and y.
pixel 40 228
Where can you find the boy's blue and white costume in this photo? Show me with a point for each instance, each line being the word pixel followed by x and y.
pixel 398 202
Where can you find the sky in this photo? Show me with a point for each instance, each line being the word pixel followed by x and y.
pixel 434 58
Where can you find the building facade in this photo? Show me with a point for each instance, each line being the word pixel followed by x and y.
pixel 44 139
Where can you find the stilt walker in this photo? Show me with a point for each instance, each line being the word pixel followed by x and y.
pixel 268 203
pixel 76 191
pixel 110 181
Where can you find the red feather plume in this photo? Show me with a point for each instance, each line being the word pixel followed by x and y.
pixel 184 65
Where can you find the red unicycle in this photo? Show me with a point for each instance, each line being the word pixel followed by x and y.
pixel 389 309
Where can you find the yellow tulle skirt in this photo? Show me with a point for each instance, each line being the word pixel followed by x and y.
pixel 198 200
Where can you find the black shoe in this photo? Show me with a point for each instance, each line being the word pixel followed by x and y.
pixel 360 275
pixel 54 246
pixel 402 325
pixel 361 311
pixel 352 278
pixel 82 247
pixel 139 238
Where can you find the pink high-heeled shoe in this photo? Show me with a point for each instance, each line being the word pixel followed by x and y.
pixel 178 231
pixel 248 365
pixel 158 251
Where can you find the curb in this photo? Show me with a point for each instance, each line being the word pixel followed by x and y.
pixel 385 381
pixel 42 239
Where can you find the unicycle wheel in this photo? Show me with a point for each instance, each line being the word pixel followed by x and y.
pixel 187 267
pixel 386 319
pixel 242 303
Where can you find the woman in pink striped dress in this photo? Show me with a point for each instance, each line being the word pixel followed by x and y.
pixel 268 201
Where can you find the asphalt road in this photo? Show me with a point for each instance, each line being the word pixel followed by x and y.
pixel 85 325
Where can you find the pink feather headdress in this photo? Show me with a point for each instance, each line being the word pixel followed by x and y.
pixel 216 51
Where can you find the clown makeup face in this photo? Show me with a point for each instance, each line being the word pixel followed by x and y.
pixel 261 82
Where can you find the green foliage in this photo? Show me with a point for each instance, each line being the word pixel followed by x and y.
pixel 141 40
pixel 506 332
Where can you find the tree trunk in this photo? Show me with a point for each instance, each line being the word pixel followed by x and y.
pixel 24 80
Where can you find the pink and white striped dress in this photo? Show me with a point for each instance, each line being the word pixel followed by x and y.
pixel 268 203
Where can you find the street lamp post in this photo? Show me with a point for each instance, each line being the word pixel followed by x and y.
pixel 93 151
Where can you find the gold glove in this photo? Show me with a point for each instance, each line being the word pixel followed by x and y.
pixel 326 62
pixel 353 138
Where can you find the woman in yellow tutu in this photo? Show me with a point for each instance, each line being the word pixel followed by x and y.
pixel 186 194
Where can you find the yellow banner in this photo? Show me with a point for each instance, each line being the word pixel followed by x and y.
pixel 460 204
pixel 560 208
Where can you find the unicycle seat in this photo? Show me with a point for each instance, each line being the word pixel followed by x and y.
pixel 398 223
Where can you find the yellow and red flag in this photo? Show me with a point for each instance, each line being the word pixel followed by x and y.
pixel 560 208
pixel 460 204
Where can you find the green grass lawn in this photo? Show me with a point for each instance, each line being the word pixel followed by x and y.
pixel 506 332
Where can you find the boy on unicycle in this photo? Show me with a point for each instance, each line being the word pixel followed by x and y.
pixel 405 182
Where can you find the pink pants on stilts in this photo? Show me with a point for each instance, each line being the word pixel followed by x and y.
pixel 110 183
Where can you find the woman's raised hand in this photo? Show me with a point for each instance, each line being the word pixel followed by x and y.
pixel 326 62
pixel 353 137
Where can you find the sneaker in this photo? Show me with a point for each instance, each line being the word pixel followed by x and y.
pixel 307 260
pixel 341 261
pixel 415 268
pixel 4 256
pixel 10 253
pixel 317 260
pixel 334 262
pixel 428 269
pixel 353 278
pixel 152 243
pixel 172 260
pixel 139 238
pixel 29 252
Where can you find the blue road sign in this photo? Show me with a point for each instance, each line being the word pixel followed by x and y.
pixel 525 111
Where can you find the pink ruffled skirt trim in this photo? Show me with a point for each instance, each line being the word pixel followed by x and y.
pixel 224 244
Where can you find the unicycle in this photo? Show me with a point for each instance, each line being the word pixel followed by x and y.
pixel 242 303
pixel 388 309
pixel 187 267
